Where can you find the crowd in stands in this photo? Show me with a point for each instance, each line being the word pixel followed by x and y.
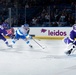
pixel 39 13
pixel 59 16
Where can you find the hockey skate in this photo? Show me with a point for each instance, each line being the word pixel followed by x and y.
pixel 30 46
pixel 14 41
pixel 69 52
pixel 9 46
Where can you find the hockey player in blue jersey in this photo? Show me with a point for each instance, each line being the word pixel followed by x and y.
pixel 3 33
pixel 71 40
pixel 23 33
pixel 10 30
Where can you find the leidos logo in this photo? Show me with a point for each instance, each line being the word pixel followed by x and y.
pixel 54 32
pixel 43 30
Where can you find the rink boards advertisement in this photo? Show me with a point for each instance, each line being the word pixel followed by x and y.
pixel 49 32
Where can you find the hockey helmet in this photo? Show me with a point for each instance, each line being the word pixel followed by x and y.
pixel 74 27
pixel 26 25
pixel 5 25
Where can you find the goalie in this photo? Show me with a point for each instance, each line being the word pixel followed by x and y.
pixel 71 40
pixel 23 33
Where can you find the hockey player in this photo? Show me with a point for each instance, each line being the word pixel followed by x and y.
pixel 3 33
pixel 23 33
pixel 9 30
pixel 71 40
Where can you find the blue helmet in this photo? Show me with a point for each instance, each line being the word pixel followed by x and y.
pixel 5 25
pixel 74 27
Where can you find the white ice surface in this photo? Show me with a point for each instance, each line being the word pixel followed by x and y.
pixel 22 60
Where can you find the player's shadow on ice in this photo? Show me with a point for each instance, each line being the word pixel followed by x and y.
pixel 2 49
pixel 37 50
pixel 60 56
pixel 11 50
pixel 21 50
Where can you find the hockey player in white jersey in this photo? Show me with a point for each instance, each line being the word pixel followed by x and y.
pixel 23 33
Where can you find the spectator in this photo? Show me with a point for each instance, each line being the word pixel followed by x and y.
pixel 55 24
pixel 34 21
pixel 62 20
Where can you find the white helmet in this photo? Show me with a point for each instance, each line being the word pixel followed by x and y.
pixel 74 27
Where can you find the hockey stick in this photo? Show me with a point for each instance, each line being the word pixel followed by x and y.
pixel 38 43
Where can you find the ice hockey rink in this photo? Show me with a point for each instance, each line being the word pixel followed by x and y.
pixel 23 60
